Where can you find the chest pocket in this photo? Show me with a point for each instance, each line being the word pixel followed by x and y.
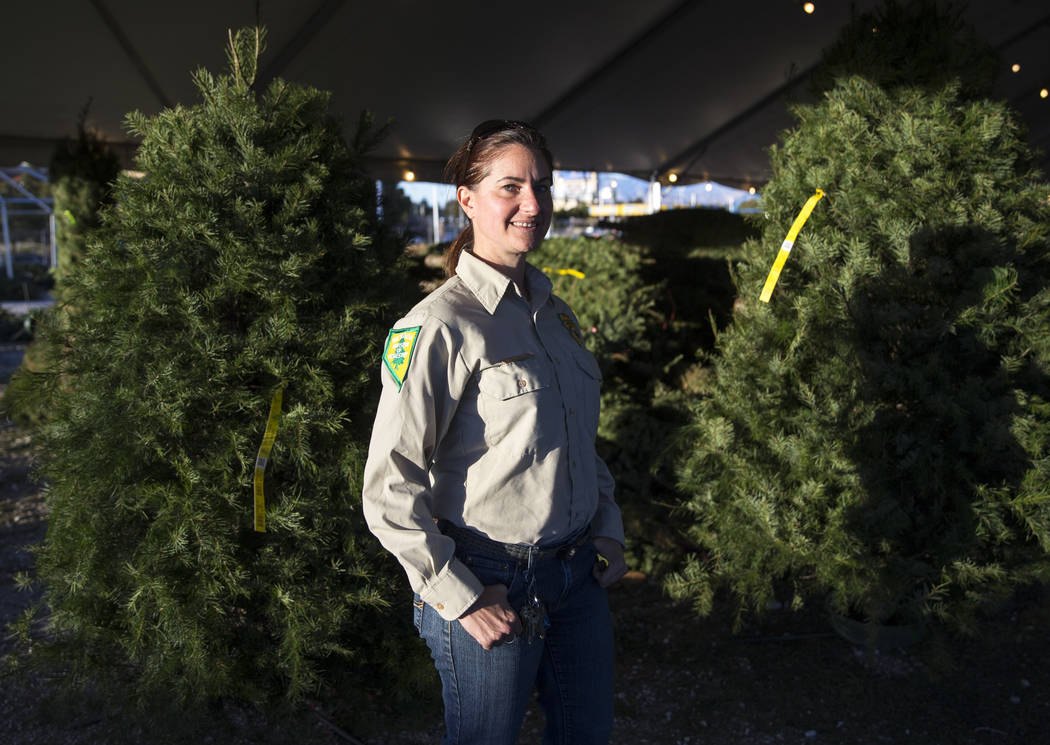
pixel 516 406
pixel 512 379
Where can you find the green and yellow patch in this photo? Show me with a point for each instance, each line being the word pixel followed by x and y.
pixel 397 354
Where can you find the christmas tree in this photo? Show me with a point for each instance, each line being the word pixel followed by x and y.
pixel 602 282
pixel 925 42
pixel 879 432
pixel 236 292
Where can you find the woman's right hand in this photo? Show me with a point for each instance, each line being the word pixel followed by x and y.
pixel 491 620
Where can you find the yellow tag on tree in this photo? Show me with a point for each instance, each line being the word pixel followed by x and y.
pixel 571 272
pixel 263 458
pixel 786 246
pixel 397 354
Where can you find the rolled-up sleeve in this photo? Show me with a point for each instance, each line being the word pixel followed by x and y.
pixel 412 418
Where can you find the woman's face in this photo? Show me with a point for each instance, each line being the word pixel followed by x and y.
pixel 511 207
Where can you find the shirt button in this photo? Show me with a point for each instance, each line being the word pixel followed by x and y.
pixel 440 606
pixel 572 411
pixel 522 383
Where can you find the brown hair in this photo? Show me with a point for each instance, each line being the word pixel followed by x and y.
pixel 469 165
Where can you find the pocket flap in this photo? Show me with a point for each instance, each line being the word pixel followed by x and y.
pixel 509 379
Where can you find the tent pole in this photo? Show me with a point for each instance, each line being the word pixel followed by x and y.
pixel 7 239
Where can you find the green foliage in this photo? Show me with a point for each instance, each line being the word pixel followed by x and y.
pixel 248 257
pixel 680 232
pixel 614 306
pixel 923 44
pixel 693 252
pixel 81 173
pixel 880 431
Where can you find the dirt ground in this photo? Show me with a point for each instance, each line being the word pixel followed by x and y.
pixel 787 678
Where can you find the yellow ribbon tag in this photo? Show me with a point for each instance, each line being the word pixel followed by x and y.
pixel 785 247
pixel 571 272
pixel 263 456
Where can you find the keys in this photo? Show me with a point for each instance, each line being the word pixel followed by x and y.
pixel 534 620
pixel 533 615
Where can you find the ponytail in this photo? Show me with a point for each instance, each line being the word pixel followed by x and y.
pixel 465 240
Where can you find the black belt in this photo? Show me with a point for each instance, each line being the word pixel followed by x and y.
pixel 471 541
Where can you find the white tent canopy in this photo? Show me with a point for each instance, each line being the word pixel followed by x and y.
pixel 694 86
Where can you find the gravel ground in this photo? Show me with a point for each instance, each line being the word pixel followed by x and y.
pixel 786 678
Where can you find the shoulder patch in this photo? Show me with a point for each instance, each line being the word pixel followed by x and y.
pixel 574 329
pixel 397 354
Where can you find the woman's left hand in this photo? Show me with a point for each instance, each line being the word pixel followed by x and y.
pixel 612 551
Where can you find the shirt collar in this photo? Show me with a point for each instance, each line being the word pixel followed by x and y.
pixel 489 285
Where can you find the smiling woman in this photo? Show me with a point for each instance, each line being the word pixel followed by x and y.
pixel 482 475
pixel 517 189
pixel 510 209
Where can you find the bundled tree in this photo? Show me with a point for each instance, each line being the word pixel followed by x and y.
pixel 880 431
pixel 235 291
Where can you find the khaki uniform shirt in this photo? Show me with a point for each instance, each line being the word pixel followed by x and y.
pixel 488 418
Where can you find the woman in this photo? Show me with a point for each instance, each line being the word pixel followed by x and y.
pixel 482 477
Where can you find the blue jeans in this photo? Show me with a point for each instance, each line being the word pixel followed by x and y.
pixel 486 693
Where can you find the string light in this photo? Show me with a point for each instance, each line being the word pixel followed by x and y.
pixel 410 176
pixel 672 177
pixel 1044 93
pixel 1016 67
pixel 751 190
pixel 809 8
pixel 707 186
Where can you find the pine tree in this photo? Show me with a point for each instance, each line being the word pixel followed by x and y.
pixel 602 282
pixel 880 431
pixel 246 261
pixel 921 43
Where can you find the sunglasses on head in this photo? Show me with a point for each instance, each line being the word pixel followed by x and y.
pixel 490 127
